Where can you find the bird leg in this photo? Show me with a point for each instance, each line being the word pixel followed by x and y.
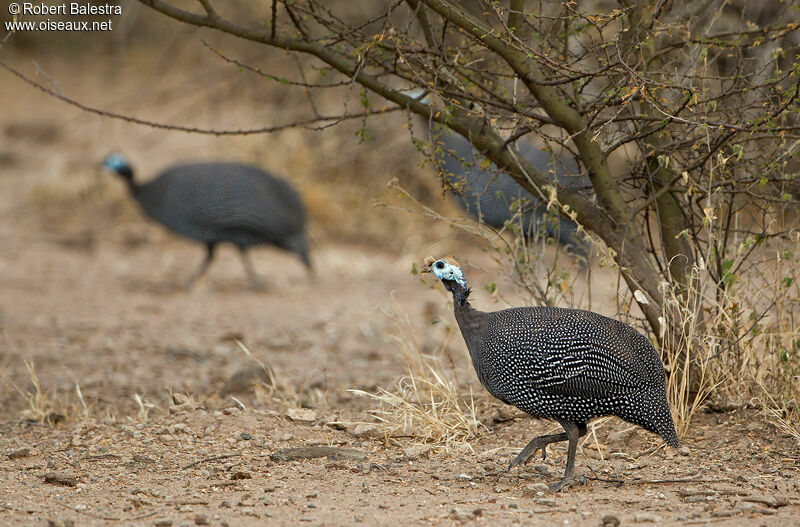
pixel 203 266
pixel 537 443
pixel 255 283
pixel 574 431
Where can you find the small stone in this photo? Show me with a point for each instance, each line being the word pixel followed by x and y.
pixel 536 489
pixel 416 451
pixel 609 520
pixel 311 506
pixel 162 522
pixel 245 436
pixel 65 480
pixel 241 475
pixel 59 522
pixel 22 452
pixel 305 415
pixel 513 505
pixel 646 517
pixel 545 501
pixel 464 477
pixel 244 380
pixel 200 519
pixel 541 469
pixel 684 450
pixel 225 505
pixel 462 515
pixel 365 430
pixel 383 506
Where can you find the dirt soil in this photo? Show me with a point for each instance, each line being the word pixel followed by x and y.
pixel 88 297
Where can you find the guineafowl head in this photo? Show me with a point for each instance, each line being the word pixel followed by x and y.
pixel 119 165
pixel 298 244
pixel 449 272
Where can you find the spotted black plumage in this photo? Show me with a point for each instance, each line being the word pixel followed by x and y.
pixel 569 365
pixel 222 202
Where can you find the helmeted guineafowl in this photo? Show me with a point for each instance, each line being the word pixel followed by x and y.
pixel 568 365
pixel 493 196
pixel 222 202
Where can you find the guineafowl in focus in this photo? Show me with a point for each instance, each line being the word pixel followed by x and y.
pixel 222 202
pixel 568 365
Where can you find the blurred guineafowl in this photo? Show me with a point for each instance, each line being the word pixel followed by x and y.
pixel 493 196
pixel 568 365
pixel 222 202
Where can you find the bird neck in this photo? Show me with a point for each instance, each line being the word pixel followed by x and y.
pixel 126 173
pixel 460 292
pixel 472 324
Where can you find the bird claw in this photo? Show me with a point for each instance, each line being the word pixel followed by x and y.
pixel 520 460
pixel 567 482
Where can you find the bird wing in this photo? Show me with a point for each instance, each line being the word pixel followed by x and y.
pixel 244 200
pixel 573 353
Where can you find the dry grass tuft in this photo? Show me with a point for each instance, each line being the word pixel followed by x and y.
pixel 41 407
pixel 427 405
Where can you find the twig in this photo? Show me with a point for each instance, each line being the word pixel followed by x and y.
pixel 215 458
pixel 326 120
pixel 107 518
pixel 692 479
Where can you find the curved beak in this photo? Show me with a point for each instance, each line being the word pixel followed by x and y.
pixel 426 265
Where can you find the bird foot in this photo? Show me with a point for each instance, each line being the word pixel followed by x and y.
pixel 567 482
pixel 525 455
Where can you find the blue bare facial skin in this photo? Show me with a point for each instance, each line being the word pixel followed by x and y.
pixel 114 163
pixel 447 271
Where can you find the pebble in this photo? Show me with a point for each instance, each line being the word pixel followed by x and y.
pixel 684 450
pixel 541 469
pixel 464 515
pixel 16 454
pixel 246 436
pixel 646 517
pixel 241 475
pixel 305 415
pixel 536 489
pixel 225 505
pixel 416 451
pixel 365 430
pixel 609 520
pixel 65 480
pixel 60 523
pixel 163 522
